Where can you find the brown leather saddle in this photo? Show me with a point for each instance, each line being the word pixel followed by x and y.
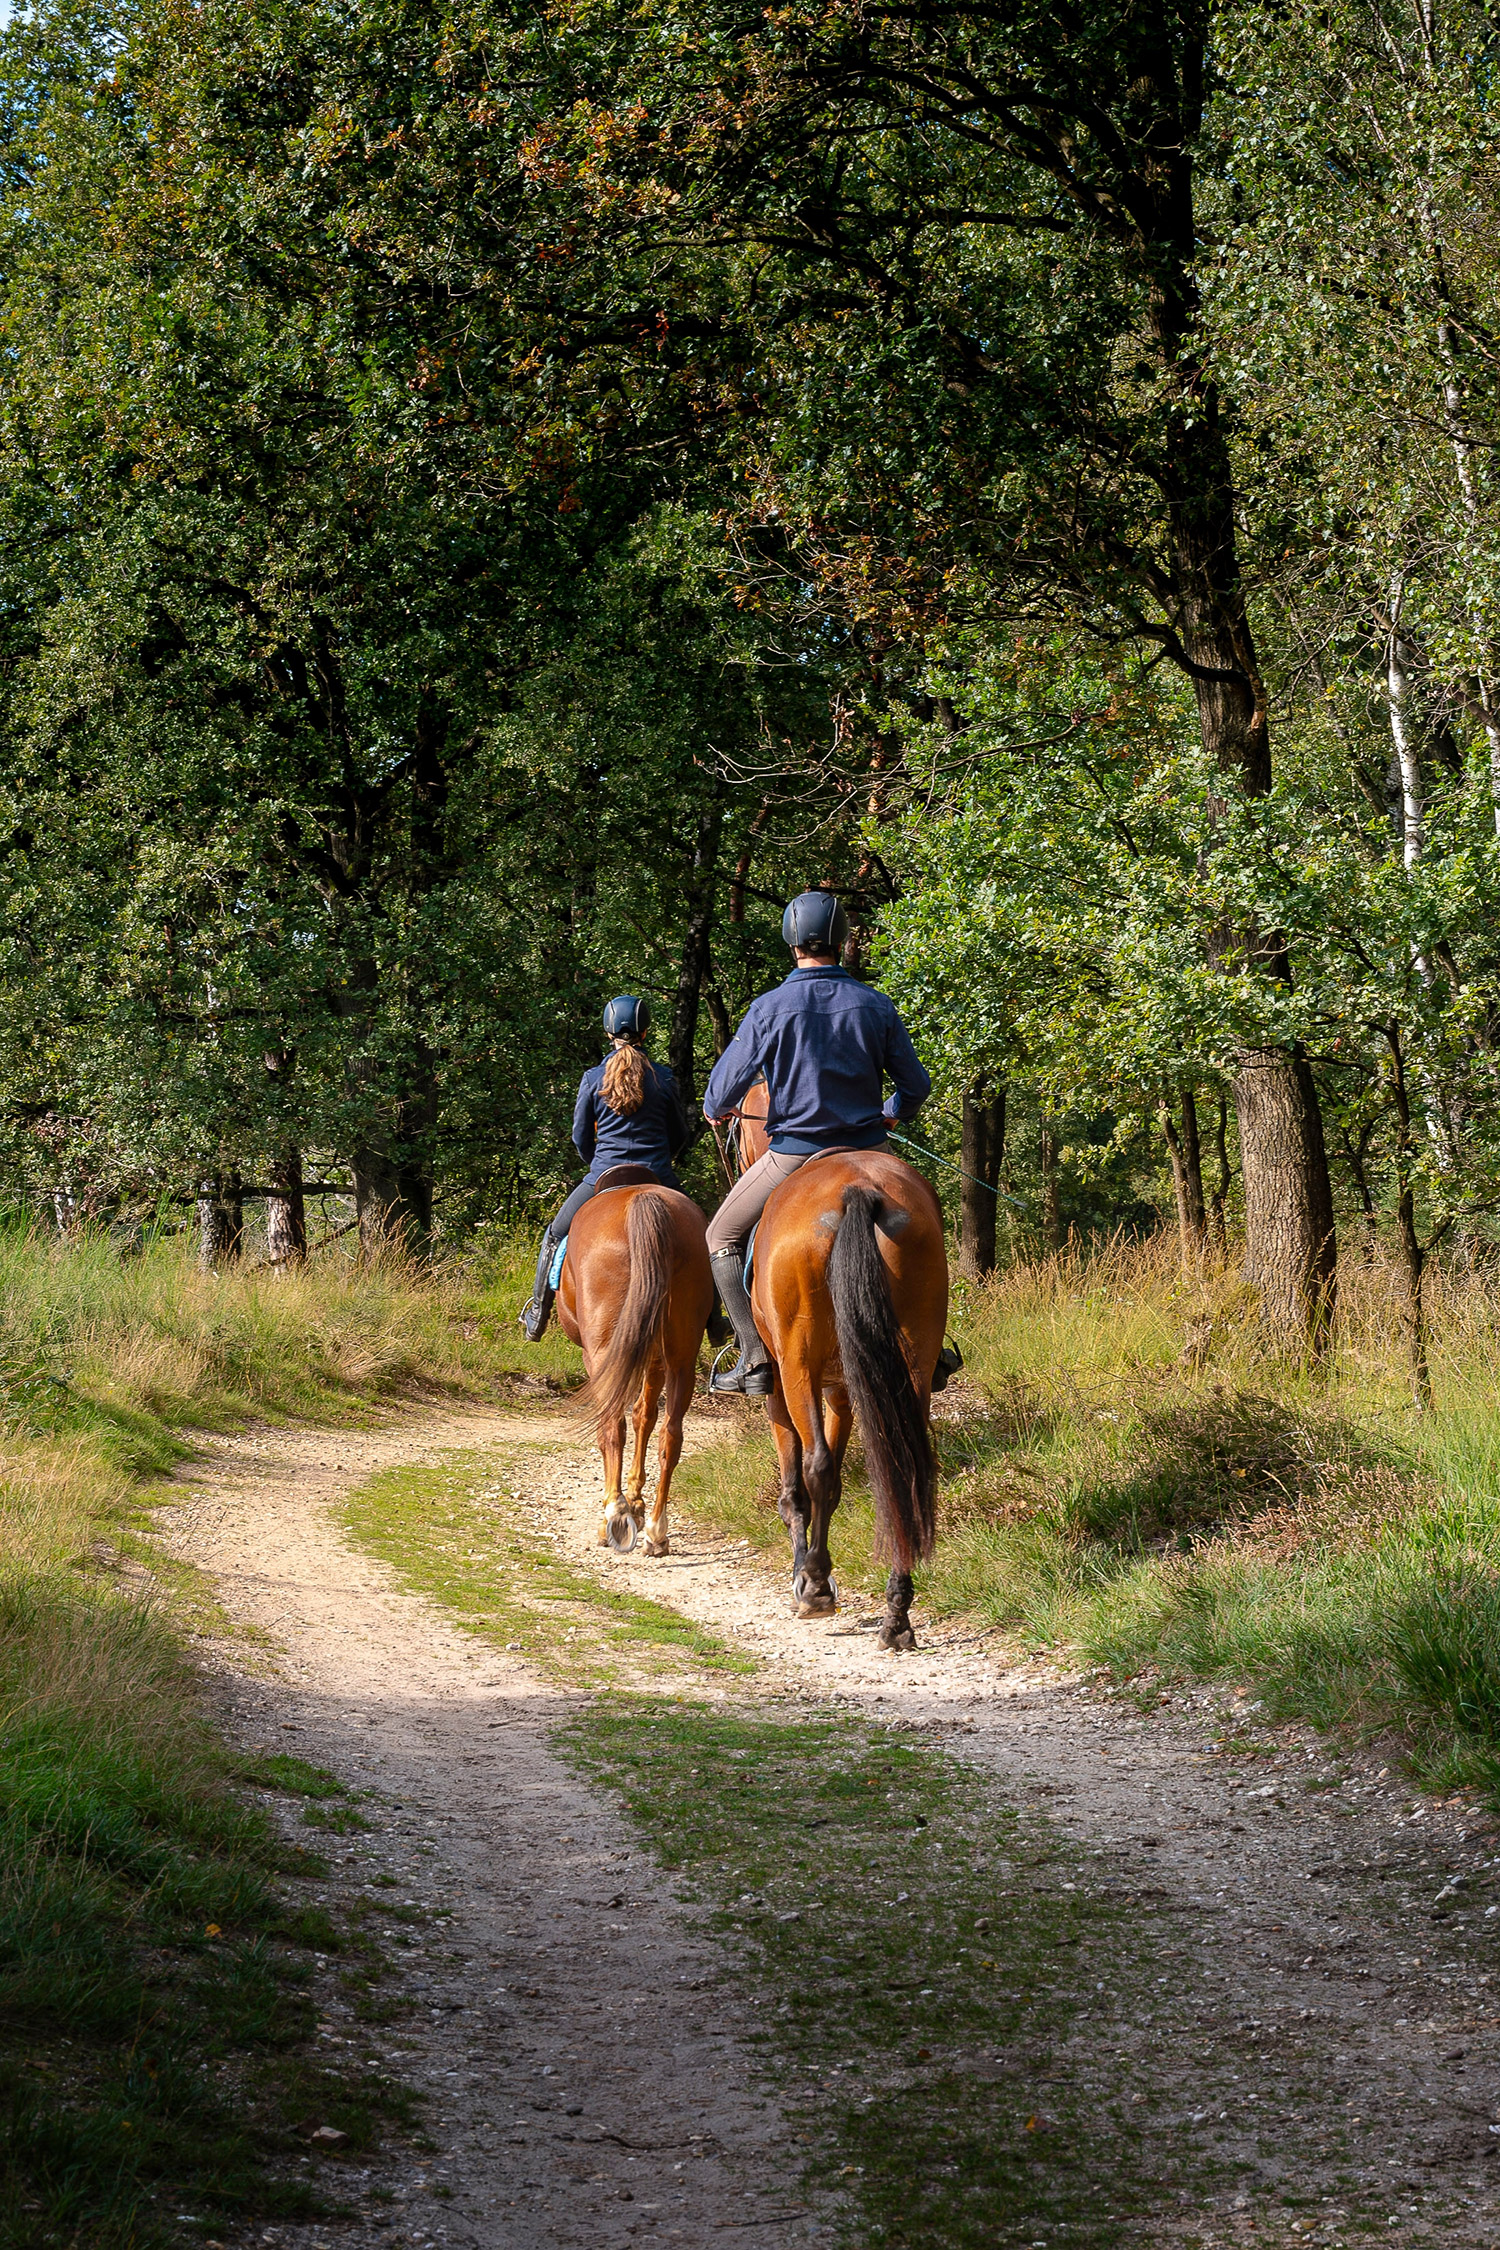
pixel 626 1175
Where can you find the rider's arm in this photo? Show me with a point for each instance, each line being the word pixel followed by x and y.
pixel 911 1082
pixel 583 1122
pixel 734 1073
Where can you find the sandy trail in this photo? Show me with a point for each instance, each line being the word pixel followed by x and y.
pixel 585 2082
pixel 1332 1957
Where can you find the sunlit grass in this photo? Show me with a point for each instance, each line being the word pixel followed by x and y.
pixel 1131 1480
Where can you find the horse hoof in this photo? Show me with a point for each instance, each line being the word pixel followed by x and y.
pixel 897 1638
pixel 816 1605
pixel 619 1532
pixel 658 1546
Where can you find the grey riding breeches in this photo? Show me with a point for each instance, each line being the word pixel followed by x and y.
pixel 729 1228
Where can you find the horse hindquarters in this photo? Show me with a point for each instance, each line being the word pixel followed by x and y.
pixel 898 1446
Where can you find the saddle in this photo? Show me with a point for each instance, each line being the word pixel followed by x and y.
pixel 626 1175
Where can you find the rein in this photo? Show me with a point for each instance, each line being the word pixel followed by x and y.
pixel 958 1168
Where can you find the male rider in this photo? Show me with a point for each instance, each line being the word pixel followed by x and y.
pixel 825 1045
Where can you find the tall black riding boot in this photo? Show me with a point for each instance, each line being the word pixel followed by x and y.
pixel 752 1374
pixel 538 1306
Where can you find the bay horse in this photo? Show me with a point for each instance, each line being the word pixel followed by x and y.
pixel 850 1296
pixel 636 1293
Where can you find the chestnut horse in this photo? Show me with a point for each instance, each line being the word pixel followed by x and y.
pixel 636 1293
pixel 851 1299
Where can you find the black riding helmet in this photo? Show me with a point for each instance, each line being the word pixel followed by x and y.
pixel 815 923
pixel 627 1018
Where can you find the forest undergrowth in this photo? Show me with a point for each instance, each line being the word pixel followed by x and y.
pixel 1130 1481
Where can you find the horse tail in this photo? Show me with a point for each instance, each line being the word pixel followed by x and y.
pixel 637 1336
pixel 898 1449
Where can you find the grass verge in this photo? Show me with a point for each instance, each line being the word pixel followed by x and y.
pixel 448 1527
pixel 1127 1482
pixel 156 1964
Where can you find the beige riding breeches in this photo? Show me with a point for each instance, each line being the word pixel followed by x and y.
pixel 729 1228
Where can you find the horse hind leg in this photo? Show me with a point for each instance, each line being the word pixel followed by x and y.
pixel 896 1627
pixel 643 1422
pixel 812 1570
pixel 612 1447
pixel 668 1454
pixel 792 1504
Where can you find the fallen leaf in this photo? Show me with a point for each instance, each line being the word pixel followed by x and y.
pixel 212 1930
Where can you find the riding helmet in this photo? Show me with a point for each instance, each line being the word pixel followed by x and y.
pixel 815 923
pixel 627 1017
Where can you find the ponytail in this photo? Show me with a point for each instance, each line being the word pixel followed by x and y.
pixel 624 1087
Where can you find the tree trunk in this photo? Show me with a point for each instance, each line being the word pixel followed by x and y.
pixel 1355 1152
pixel 1051 1206
pixel 1218 1225
pixel 1187 1179
pixel 694 967
pixel 393 1202
pixel 1291 1255
pixel 286 1212
pixel 1192 1165
pixel 1290 1247
pixel 982 1152
pixel 221 1221
pixel 1413 1316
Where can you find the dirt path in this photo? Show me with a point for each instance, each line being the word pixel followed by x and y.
pixel 1332 1939
pixel 586 2085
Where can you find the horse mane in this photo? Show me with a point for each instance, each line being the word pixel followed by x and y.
pixel 624 1087
pixel 898 1449
pixel 637 1337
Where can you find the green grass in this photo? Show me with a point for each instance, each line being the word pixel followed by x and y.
pixel 1109 1497
pixel 447 1527
pixel 155 2004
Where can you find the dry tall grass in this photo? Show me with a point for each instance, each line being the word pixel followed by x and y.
pixel 1130 1478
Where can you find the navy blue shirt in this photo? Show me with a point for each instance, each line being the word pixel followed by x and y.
pixel 825 1045
pixel 652 1136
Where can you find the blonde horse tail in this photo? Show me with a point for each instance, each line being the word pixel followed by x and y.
pixel 638 1332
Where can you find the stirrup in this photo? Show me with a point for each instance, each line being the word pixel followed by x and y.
pixel 534 1318
pixel 950 1360
pixel 739 1381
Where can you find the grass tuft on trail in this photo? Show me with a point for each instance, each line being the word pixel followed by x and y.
pixel 448 1528
pixel 931 1975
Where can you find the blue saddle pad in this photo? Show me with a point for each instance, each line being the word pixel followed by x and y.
pixel 750 1257
pixel 554 1275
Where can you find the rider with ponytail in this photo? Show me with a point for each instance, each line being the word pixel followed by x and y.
pixel 628 1112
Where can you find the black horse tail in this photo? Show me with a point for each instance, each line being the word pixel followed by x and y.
pixel 637 1336
pixel 898 1449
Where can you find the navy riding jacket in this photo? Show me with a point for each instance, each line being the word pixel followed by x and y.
pixel 658 1130
pixel 825 1045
